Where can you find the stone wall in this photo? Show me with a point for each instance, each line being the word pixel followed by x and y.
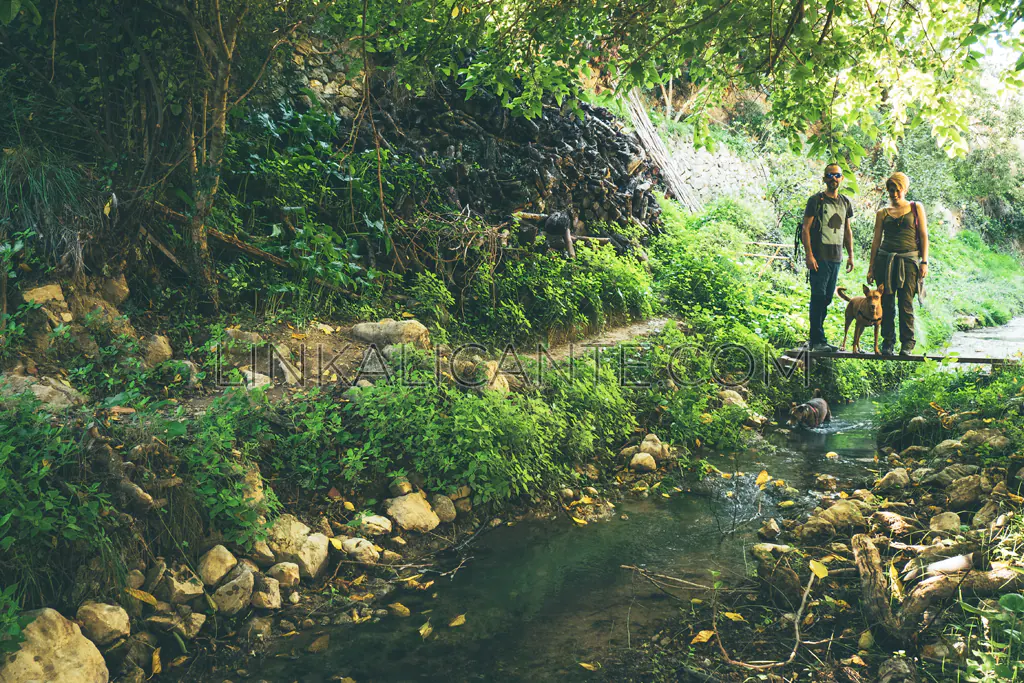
pixel 721 173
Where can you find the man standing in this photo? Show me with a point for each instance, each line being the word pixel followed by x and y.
pixel 825 231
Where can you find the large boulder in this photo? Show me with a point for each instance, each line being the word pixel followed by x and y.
pixel 54 651
pixel 412 512
pixel 215 564
pixel 234 596
pixel 390 331
pixel 291 541
pixel 103 624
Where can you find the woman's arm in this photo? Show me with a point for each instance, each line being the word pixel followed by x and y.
pixel 876 241
pixel 922 240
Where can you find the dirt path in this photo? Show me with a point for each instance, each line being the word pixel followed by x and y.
pixel 609 337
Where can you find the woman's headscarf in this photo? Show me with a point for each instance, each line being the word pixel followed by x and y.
pixel 900 180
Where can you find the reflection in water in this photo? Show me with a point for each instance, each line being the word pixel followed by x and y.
pixel 540 597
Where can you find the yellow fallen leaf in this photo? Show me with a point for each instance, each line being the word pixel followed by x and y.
pixel 697 601
pixel 298 335
pixel 734 616
pixel 779 482
pixel 581 522
pixel 654 486
pixel 741 474
pixel 844 494
pixel 359 580
pixel 809 619
pixel 698 442
pixel 665 495
pixel 786 504
pixel 586 500
pixel 729 494
pixel 178 661
pixel 349 506
pixel 455 12
pixel 361 598
pixel 832 454
pixel 589 667
pixel 156 667
pixel 458 621
pixel 726 475
pixel 763 478
pixel 141 596
pixel 426 630
pixel 820 570
pixel 702 637
pixel 400 610
pixel 894 581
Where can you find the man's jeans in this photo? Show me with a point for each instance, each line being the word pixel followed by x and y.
pixel 823 287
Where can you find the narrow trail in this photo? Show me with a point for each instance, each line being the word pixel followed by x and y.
pixel 609 337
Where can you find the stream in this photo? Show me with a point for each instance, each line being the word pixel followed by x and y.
pixel 539 597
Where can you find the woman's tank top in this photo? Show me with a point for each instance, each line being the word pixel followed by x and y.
pixel 899 235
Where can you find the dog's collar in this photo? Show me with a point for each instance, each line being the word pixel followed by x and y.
pixel 867 319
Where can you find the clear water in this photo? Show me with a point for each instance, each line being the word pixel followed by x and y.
pixel 542 596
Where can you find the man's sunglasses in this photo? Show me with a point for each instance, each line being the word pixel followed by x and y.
pixel 833 175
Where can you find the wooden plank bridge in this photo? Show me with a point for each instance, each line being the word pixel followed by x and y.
pixel 805 354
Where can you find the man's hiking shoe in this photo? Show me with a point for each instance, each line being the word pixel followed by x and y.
pixel 907 351
pixel 824 347
pixel 888 351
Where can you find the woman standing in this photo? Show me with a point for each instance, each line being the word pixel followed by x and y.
pixel 899 262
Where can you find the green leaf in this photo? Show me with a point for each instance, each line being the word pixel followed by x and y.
pixel 1013 602
pixel 9 10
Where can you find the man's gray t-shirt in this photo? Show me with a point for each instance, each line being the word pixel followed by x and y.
pixel 827 243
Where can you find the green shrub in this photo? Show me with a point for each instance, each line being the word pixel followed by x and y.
pixel 216 460
pixel 51 517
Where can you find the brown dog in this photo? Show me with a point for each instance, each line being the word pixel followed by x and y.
pixel 811 414
pixel 866 310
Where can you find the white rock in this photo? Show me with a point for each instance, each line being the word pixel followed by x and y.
pixel 215 564
pixel 286 573
pixel 412 512
pixel 103 624
pixel 180 586
pixel 374 525
pixel 393 332
pixel 643 462
pixel 53 393
pixel 360 550
pixel 54 651
pixel 291 541
pixel 234 596
pixel 266 593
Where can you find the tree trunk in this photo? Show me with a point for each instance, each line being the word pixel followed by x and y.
pixel 208 183
pixel 655 147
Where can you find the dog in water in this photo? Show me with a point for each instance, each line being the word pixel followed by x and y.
pixel 866 310
pixel 812 414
